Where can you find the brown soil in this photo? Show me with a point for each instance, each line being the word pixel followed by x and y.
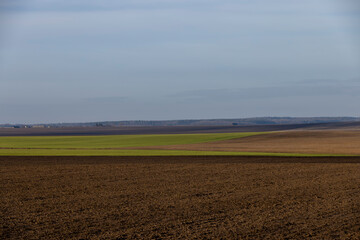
pixel 329 142
pixel 179 197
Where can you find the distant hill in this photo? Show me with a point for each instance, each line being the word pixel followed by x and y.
pixel 130 130
pixel 334 126
pixel 198 122
pixel 145 127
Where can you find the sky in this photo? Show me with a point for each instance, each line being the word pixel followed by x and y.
pixel 109 60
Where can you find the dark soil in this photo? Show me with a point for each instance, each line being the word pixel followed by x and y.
pixel 179 198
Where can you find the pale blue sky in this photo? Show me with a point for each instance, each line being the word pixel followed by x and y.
pixel 95 60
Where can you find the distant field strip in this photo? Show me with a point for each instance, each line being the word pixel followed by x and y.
pixel 249 144
pixel 110 145
pixel 126 152
pixel 116 141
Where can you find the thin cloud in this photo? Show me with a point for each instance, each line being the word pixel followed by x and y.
pixel 286 92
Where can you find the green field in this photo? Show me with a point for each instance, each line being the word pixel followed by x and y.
pixel 114 145
pixel 108 145
pixel 115 141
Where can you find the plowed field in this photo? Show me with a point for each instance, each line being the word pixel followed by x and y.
pixel 311 142
pixel 179 198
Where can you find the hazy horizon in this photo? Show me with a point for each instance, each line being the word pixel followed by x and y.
pixel 356 118
pixel 89 61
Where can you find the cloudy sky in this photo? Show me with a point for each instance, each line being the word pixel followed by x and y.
pixel 97 60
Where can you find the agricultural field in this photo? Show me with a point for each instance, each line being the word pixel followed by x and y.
pixel 179 198
pixel 263 185
pixel 117 145
pixel 291 142
pixel 286 143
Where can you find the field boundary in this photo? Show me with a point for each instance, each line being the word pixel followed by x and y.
pixel 176 159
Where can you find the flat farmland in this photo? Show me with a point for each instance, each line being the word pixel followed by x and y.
pixel 302 142
pixel 114 145
pixel 180 197
pixel 284 143
pixel 245 185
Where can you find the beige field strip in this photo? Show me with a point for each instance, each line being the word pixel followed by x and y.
pixel 322 141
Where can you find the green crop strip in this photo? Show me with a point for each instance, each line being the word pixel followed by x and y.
pixel 115 141
pixel 112 145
